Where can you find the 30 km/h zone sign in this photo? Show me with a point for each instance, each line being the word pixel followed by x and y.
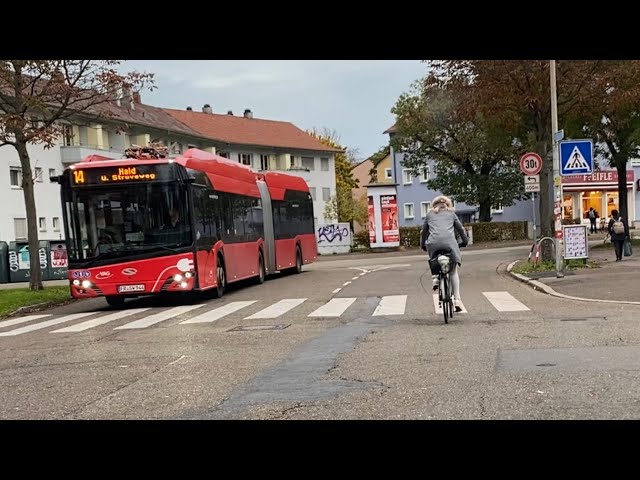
pixel 530 163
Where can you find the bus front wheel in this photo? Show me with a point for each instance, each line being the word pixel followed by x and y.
pixel 222 279
pixel 115 301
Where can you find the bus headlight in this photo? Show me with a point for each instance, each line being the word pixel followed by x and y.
pixel 187 275
pixel 177 277
pixel 184 284
pixel 76 282
pixel 86 284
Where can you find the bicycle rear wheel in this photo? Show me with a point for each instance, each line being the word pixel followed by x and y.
pixel 445 298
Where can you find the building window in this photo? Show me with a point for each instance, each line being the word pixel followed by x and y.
pixel 292 162
pixel 406 177
pixel 264 162
pixel 324 164
pixel 408 211
pixel 387 173
pixel 497 208
pixel 20 226
pixel 326 194
pixel 244 158
pixel 38 174
pixel 424 208
pixel 52 172
pixel 224 154
pixel 56 224
pixel 67 135
pixel 424 174
pixel 312 191
pixel 15 175
pixel 308 163
pixel 42 223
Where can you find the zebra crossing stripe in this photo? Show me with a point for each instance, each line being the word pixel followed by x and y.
pixel 48 323
pixel 158 317
pixel 505 302
pixel 391 305
pixel 94 322
pixel 438 307
pixel 278 308
pixel 16 321
pixel 218 313
pixel 333 308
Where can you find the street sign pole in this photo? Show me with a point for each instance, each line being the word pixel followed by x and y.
pixel 557 180
pixel 533 207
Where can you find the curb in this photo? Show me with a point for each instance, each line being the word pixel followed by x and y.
pixel 539 286
pixel 38 307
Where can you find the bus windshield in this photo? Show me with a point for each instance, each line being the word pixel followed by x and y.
pixel 112 222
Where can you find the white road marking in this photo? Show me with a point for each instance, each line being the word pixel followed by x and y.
pixel 100 321
pixel 16 321
pixel 505 302
pixel 438 308
pixel 336 290
pixel 277 309
pixel 355 278
pixel 158 317
pixel 333 308
pixel 48 323
pixel 345 284
pixel 218 313
pixel 391 305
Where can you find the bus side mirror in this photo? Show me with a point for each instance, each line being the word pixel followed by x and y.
pixel 55 179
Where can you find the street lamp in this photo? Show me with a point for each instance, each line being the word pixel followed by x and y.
pixel 557 179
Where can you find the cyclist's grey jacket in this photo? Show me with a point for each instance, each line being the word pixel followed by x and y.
pixel 438 233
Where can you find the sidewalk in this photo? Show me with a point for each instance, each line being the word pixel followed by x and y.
pixel 404 251
pixel 611 281
pixel 46 283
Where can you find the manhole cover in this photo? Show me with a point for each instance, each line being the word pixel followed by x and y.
pixel 246 328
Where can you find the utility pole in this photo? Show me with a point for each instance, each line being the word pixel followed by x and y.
pixel 557 179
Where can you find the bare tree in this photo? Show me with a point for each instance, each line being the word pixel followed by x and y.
pixel 35 95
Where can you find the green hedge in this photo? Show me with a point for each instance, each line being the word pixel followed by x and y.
pixel 361 239
pixel 482 232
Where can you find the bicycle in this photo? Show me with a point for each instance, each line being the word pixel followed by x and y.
pixel 441 263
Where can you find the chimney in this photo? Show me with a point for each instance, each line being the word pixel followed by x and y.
pixel 229 112
pixel 130 98
pixel 117 95
pixel 136 97
pixel 207 108
pixel 189 109
pixel 248 113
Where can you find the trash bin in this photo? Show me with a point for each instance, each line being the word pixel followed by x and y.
pixel 59 263
pixel 19 262
pixel 4 262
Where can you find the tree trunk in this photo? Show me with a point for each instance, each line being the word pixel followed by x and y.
pixel 484 211
pixel 35 273
pixel 621 168
pixel 546 200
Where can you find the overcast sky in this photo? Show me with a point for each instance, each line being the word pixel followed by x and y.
pixel 352 97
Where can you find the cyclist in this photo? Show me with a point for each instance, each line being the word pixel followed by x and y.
pixel 439 235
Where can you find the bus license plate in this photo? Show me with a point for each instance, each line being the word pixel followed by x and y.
pixel 130 288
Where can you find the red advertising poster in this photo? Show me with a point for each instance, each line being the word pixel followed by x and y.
pixel 372 222
pixel 389 207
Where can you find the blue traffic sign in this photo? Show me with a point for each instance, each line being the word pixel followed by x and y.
pixel 576 157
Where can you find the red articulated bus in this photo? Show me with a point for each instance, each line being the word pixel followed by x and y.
pixel 142 226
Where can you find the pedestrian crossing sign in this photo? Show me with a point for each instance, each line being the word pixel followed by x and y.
pixel 576 157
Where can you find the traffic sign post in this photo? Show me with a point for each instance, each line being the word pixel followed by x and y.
pixel 576 157
pixel 530 165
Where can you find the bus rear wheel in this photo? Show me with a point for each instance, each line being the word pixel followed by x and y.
pixel 261 270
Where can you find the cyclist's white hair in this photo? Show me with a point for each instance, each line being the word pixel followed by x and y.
pixel 441 203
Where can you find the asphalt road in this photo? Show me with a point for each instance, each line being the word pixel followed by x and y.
pixel 346 339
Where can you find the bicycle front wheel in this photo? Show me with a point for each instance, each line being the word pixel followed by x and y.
pixel 445 298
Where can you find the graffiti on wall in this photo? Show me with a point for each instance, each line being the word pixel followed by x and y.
pixel 334 234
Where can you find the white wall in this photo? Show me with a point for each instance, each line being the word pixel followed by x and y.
pixel 47 194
